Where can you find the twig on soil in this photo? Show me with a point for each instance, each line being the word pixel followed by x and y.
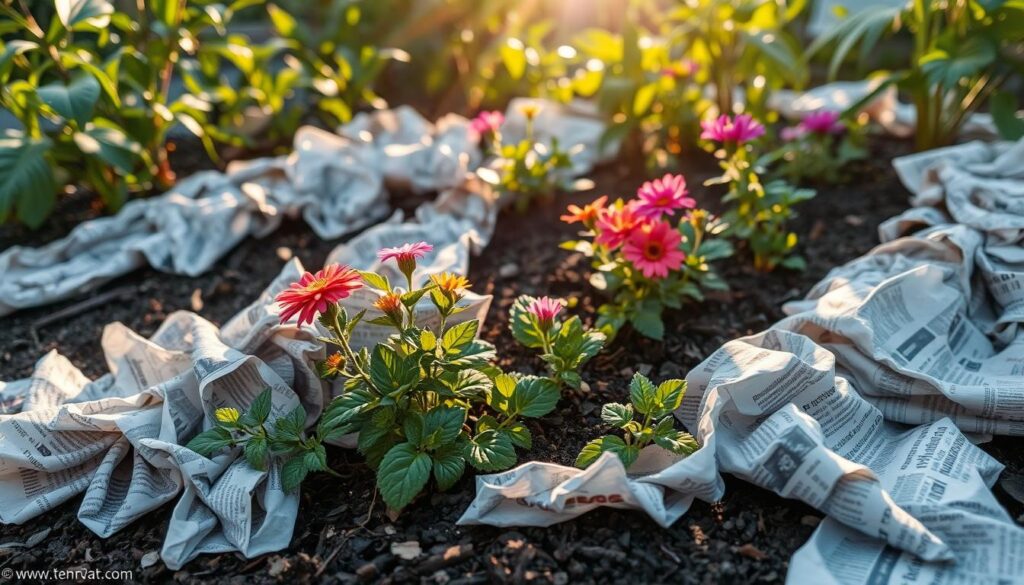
pixel 78 309
pixel 361 526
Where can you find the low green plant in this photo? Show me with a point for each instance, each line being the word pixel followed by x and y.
pixel 963 53
pixel 565 345
pixel 425 402
pixel 527 169
pixel 817 148
pixel 656 424
pixel 758 212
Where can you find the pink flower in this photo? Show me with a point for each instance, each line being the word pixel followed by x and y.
pixel 743 128
pixel 791 133
pixel 314 293
pixel 663 196
pixel 545 309
pixel 654 249
pixel 823 122
pixel 486 122
pixel 406 255
pixel 615 224
pixel 684 68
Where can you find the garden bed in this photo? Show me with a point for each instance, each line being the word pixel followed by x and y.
pixel 748 537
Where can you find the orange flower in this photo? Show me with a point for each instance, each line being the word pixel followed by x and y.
pixel 587 214
pixel 452 284
pixel 314 293
pixel 332 366
pixel 390 304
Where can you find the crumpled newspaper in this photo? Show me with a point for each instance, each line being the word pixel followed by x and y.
pixel 922 330
pixel 119 439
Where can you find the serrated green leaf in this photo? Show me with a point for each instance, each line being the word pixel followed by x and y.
pixel 459 335
pixel 209 442
pixel 256 450
pixel 491 451
pixel 668 397
pixel 617 415
pixel 449 465
pixel 593 450
pixel 412 426
pixel 260 407
pixel 391 373
pixel 679 442
pixel 402 474
pixel 446 422
pixel 534 396
pixel 648 323
pixel 641 393
pixel 293 472
pixel 316 458
pixel 520 435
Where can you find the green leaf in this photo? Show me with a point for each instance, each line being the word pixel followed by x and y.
pixel 443 425
pixel 678 442
pixel 79 14
pixel 523 324
pixel 315 459
pixel 111 146
pixel 459 335
pixel 26 180
pixel 449 465
pixel 428 341
pixel 513 55
pixel 260 407
pixel 520 435
pixel 962 60
pixel 644 98
pixel 593 450
pixel 534 396
pixel 75 101
pixel 377 281
pixel 1003 106
pixel 468 383
pixel 648 323
pixel 390 373
pixel 402 474
pixel 256 450
pixel 293 472
pixel 412 427
pixel 617 415
pixel 491 451
pixel 668 397
pixel 641 394
pixel 209 442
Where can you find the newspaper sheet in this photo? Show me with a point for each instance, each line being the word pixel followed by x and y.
pixel 864 402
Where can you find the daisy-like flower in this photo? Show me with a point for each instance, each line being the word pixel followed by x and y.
pixel 663 197
pixel 588 214
pixel 545 309
pixel 451 284
pixel 406 256
pixel 314 293
pixel 615 223
pixel 486 122
pixel 654 249
pixel 742 128
pixel 822 122
pixel 530 110
pixel 391 305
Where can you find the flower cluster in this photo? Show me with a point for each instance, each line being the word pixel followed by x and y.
pixel 425 402
pixel 523 170
pixel 758 211
pixel 650 252
pixel 818 147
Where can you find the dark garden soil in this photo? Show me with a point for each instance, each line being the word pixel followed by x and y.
pixel 343 536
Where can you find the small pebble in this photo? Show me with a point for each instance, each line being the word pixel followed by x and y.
pixel 285 253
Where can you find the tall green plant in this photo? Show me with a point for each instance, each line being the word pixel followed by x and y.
pixel 963 52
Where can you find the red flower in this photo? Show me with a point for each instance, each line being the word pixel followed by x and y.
pixel 654 249
pixel 615 224
pixel 314 293
pixel 545 309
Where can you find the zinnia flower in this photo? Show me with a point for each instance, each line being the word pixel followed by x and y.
pixel 391 305
pixel 663 196
pixel 332 366
pixel 615 224
pixel 406 255
pixel 823 122
pixel 743 128
pixel 486 122
pixel 545 309
pixel 587 214
pixel 654 249
pixel 450 283
pixel 314 293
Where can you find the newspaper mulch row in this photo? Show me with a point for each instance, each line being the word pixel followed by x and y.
pixel 819 408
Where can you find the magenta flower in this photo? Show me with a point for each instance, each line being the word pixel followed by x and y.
pixel 545 309
pixel 725 129
pixel 486 122
pixel 654 249
pixel 791 133
pixel 663 197
pixel 615 223
pixel 823 122
pixel 406 256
